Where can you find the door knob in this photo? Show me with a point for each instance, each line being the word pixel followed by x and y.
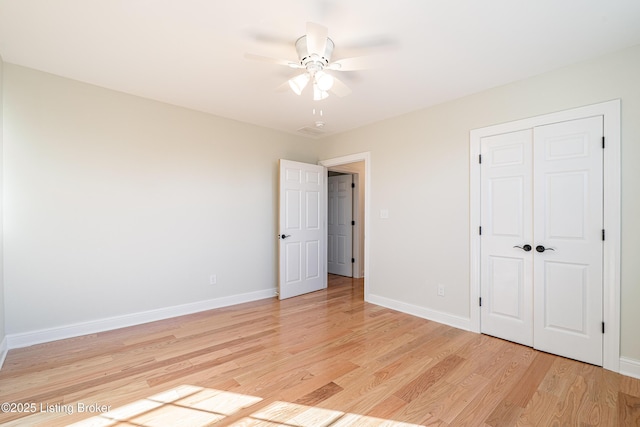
pixel 284 236
pixel 525 248
pixel 541 249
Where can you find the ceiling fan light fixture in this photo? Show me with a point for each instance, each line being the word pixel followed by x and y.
pixel 323 80
pixel 298 83
pixel 319 94
pixel 314 51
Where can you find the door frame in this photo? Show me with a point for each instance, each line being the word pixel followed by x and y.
pixel 353 158
pixel 610 111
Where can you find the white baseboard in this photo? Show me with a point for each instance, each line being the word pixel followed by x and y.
pixel 26 339
pixel 630 367
pixel 4 348
pixel 425 313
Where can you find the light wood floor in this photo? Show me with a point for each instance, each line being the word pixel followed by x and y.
pixel 326 358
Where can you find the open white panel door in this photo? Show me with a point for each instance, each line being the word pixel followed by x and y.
pixel 303 234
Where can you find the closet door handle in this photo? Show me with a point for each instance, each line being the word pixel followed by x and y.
pixel 525 248
pixel 541 249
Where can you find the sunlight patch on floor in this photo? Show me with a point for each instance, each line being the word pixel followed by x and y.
pixel 294 415
pixel 193 406
pixel 184 405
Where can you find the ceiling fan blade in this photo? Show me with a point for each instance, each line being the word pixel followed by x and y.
pixel 316 38
pixel 339 88
pixel 272 60
pixel 354 64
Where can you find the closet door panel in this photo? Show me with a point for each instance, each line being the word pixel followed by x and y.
pixel 506 268
pixel 568 222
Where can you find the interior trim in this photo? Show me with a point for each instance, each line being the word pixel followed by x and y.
pixel 95 326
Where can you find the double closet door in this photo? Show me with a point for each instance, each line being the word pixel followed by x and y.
pixel 542 238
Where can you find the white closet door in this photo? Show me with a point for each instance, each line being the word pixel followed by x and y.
pixel 568 222
pixel 541 244
pixel 506 264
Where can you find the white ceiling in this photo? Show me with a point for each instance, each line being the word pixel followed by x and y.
pixel 191 52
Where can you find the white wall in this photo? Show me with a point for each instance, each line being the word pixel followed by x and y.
pixel 116 204
pixel 420 173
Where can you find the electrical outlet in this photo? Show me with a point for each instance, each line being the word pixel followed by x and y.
pixel 440 290
pixel 213 279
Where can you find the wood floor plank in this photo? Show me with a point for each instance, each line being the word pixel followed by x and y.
pixel 325 358
pixel 428 378
pixel 387 407
pixel 362 396
pixel 512 406
pixel 569 408
pixel 629 410
pixel 320 394
pixel 630 386
pixel 427 405
pixel 538 411
pixel 502 382
pixel 465 391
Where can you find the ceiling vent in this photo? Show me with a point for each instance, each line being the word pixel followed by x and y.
pixel 312 131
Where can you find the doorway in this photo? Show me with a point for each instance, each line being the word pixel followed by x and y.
pixel 341 222
pixel 359 166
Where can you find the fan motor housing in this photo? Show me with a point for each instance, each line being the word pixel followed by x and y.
pixel 306 58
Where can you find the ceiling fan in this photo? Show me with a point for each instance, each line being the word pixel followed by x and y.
pixel 314 57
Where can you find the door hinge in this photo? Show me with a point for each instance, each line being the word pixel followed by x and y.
pixel 353 223
pixel 353 260
pixel 480 230
pixel 603 235
pixel 603 327
pixel 353 185
pixel 603 142
pixel 480 301
pixel 480 158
